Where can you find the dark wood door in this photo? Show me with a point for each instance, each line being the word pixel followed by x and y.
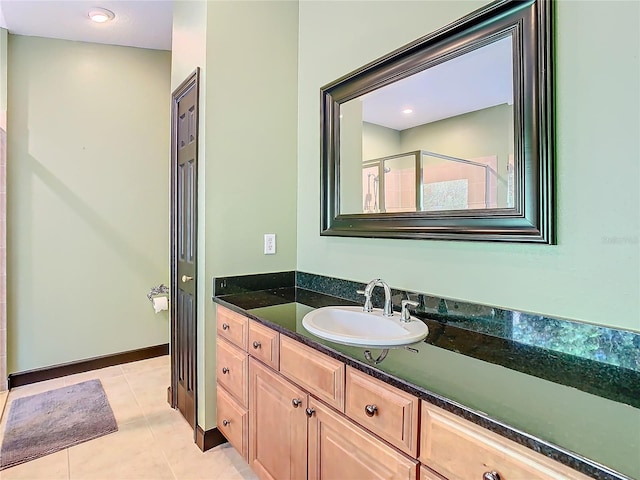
pixel 184 247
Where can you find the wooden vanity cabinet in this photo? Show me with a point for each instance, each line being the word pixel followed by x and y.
pixel 295 413
pixel 461 450
pixel 340 449
pixel 293 435
pixel 232 373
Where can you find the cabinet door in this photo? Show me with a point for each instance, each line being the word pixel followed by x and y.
pixel 341 450
pixel 277 425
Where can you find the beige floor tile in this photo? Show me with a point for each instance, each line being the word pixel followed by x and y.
pixel 146 365
pixel 150 388
pixel 107 372
pixel 122 400
pixel 189 463
pixel 49 467
pixel 237 468
pixel 128 454
pixel 168 421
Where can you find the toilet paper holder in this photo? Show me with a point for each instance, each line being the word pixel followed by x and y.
pixel 158 291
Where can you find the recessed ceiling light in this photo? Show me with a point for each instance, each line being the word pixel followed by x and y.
pixel 101 15
pixel 407 110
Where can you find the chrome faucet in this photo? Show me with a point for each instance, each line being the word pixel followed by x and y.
pixel 388 310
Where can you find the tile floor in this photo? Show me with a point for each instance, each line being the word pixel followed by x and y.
pixel 152 442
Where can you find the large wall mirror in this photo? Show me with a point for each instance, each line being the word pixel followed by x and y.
pixel 449 137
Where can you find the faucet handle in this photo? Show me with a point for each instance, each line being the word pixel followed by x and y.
pixel 367 300
pixel 405 315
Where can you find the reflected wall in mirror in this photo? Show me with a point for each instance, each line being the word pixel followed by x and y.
pixel 449 137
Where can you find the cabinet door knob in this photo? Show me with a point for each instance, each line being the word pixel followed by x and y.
pixel 225 370
pixel 310 412
pixel 256 344
pixel 296 402
pixel 225 326
pixel 225 422
pixel 371 410
pixel 491 476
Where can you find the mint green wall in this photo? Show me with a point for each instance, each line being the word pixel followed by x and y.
pixel 592 275
pixel 247 160
pixel 87 199
pixel 351 134
pixel 379 141
pixel 252 50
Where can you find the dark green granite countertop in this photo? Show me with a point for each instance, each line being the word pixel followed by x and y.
pixel 457 369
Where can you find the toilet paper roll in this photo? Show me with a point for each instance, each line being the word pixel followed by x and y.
pixel 160 303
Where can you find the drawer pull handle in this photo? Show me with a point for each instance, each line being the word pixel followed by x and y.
pixel 296 402
pixel 310 412
pixel 225 370
pixel 226 422
pixel 256 344
pixel 491 476
pixel 225 326
pixel 371 410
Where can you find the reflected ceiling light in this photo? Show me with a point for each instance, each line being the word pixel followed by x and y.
pixel 101 15
pixel 407 110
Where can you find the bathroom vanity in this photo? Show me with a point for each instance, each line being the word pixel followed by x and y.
pixel 296 406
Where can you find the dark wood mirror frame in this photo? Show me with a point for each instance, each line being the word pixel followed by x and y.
pixel 532 217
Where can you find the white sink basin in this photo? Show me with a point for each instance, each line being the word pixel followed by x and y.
pixel 354 326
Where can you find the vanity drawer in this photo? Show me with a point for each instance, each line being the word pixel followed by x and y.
pixel 232 366
pixel 319 374
pixel 233 422
pixel 461 450
pixel 264 344
pixel 232 326
pixel 383 409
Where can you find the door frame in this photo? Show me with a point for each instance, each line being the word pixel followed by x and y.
pixel 192 81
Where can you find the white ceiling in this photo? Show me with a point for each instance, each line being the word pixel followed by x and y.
pixel 137 23
pixel 478 79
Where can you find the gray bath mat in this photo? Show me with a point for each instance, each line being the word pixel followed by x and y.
pixel 51 421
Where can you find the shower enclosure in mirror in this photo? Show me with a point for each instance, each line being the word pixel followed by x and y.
pixel 427 181
pixel 449 137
